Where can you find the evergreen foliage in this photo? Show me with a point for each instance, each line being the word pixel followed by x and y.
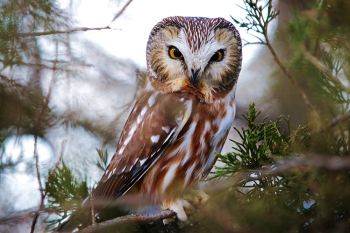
pixel 261 143
pixel 65 194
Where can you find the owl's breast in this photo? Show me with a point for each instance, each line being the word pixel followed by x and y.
pixel 193 154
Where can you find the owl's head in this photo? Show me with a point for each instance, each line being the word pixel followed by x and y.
pixel 202 56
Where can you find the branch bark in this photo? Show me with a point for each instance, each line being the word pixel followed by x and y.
pixel 128 219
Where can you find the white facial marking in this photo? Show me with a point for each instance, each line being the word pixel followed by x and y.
pixel 198 60
pixel 155 138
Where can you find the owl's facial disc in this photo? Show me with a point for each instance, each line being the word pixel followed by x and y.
pixel 200 53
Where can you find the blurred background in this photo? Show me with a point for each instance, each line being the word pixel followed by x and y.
pixel 70 71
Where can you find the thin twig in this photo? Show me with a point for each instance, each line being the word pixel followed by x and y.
pixel 129 219
pixel 44 108
pixel 289 76
pixel 54 32
pixel 92 209
pixel 78 29
pixel 284 68
pixel 42 191
pixel 260 25
pixel 121 11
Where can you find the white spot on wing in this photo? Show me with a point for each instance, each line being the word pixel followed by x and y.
pixel 139 119
pixel 152 99
pixel 121 150
pixel 155 138
pixel 142 161
pixel 110 174
pixel 130 134
pixel 143 111
pixel 166 129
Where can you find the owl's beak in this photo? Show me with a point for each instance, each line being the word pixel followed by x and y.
pixel 194 76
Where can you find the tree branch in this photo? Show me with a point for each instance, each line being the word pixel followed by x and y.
pixel 78 29
pixel 289 75
pixel 129 219
pixel 45 107
pixel 319 65
pixel 332 163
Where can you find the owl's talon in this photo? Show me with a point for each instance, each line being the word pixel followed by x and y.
pixel 178 207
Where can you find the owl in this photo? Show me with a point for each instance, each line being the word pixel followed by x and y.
pixel 181 119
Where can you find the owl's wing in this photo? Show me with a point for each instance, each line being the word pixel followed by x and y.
pixel 154 123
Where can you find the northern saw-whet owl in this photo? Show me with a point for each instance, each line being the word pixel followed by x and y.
pixel 182 118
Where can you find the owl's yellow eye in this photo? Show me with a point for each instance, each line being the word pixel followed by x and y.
pixel 218 56
pixel 174 53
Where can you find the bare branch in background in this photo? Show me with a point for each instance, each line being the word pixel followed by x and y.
pixel 78 29
pixel 319 65
pixel 54 32
pixel 42 191
pixel 45 107
pixel 121 11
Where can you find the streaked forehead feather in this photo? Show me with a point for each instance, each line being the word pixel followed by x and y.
pixel 197 29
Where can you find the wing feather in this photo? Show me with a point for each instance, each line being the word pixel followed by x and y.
pixel 136 151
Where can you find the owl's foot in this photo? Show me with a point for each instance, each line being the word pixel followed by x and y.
pixel 178 206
